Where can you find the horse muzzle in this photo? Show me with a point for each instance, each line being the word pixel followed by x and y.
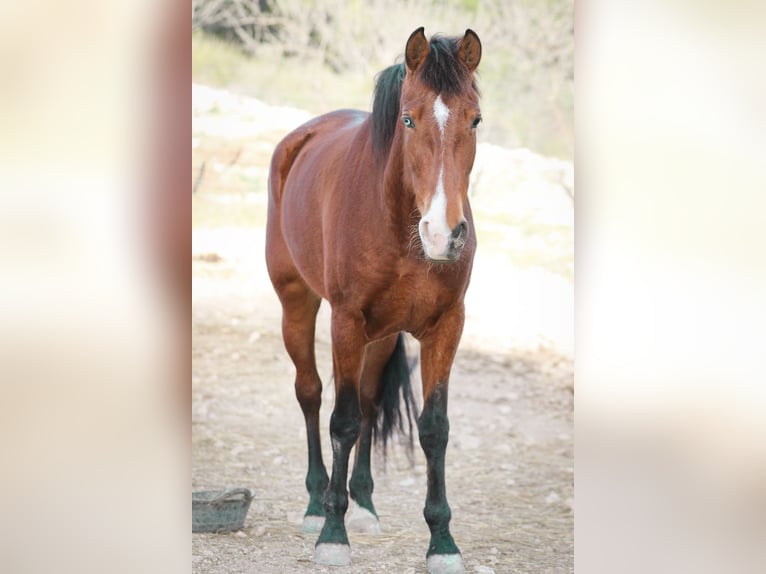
pixel 440 246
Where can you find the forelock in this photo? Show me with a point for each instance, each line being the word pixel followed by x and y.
pixel 443 71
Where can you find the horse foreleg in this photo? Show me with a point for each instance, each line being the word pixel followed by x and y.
pixel 437 353
pixel 332 547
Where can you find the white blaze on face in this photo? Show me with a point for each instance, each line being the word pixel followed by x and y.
pixel 441 113
pixel 433 228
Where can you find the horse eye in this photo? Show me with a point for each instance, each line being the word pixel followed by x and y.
pixel 408 122
pixel 476 122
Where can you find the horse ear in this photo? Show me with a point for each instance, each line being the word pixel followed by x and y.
pixel 469 50
pixel 417 49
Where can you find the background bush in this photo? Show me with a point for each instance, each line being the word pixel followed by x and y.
pixel 323 54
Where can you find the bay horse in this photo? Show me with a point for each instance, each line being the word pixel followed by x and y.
pixel 370 212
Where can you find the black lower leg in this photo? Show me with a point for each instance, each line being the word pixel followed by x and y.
pixel 433 428
pixel 344 430
pixel 316 477
pixel 361 484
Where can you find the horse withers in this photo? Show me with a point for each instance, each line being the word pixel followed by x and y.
pixel 371 213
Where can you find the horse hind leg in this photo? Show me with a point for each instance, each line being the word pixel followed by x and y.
pixel 299 309
pixel 362 516
pixel 385 389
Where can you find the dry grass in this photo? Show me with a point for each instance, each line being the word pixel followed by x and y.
pixel 326 53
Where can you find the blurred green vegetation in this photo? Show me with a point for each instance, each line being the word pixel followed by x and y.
pixel 321 55
pixel 276 79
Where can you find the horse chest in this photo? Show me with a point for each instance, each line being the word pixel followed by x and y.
pixel 409 304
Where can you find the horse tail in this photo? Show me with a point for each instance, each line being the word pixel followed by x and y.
pixel 395 392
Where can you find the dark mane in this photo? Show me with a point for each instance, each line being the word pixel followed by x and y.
pixel 442 71
pixel 385 106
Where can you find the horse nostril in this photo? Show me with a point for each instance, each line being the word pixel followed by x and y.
pixel 460 231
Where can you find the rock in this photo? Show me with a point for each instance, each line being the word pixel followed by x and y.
pixel 552 498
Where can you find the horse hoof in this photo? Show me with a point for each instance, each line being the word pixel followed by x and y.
pixel 312 524
pixel 328 554
pixel 445 564
pixel 361 520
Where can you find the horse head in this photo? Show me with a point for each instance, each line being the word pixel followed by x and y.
pixel 439 115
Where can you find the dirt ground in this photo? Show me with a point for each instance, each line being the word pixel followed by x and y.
pixel 510 456
pixel 509 460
